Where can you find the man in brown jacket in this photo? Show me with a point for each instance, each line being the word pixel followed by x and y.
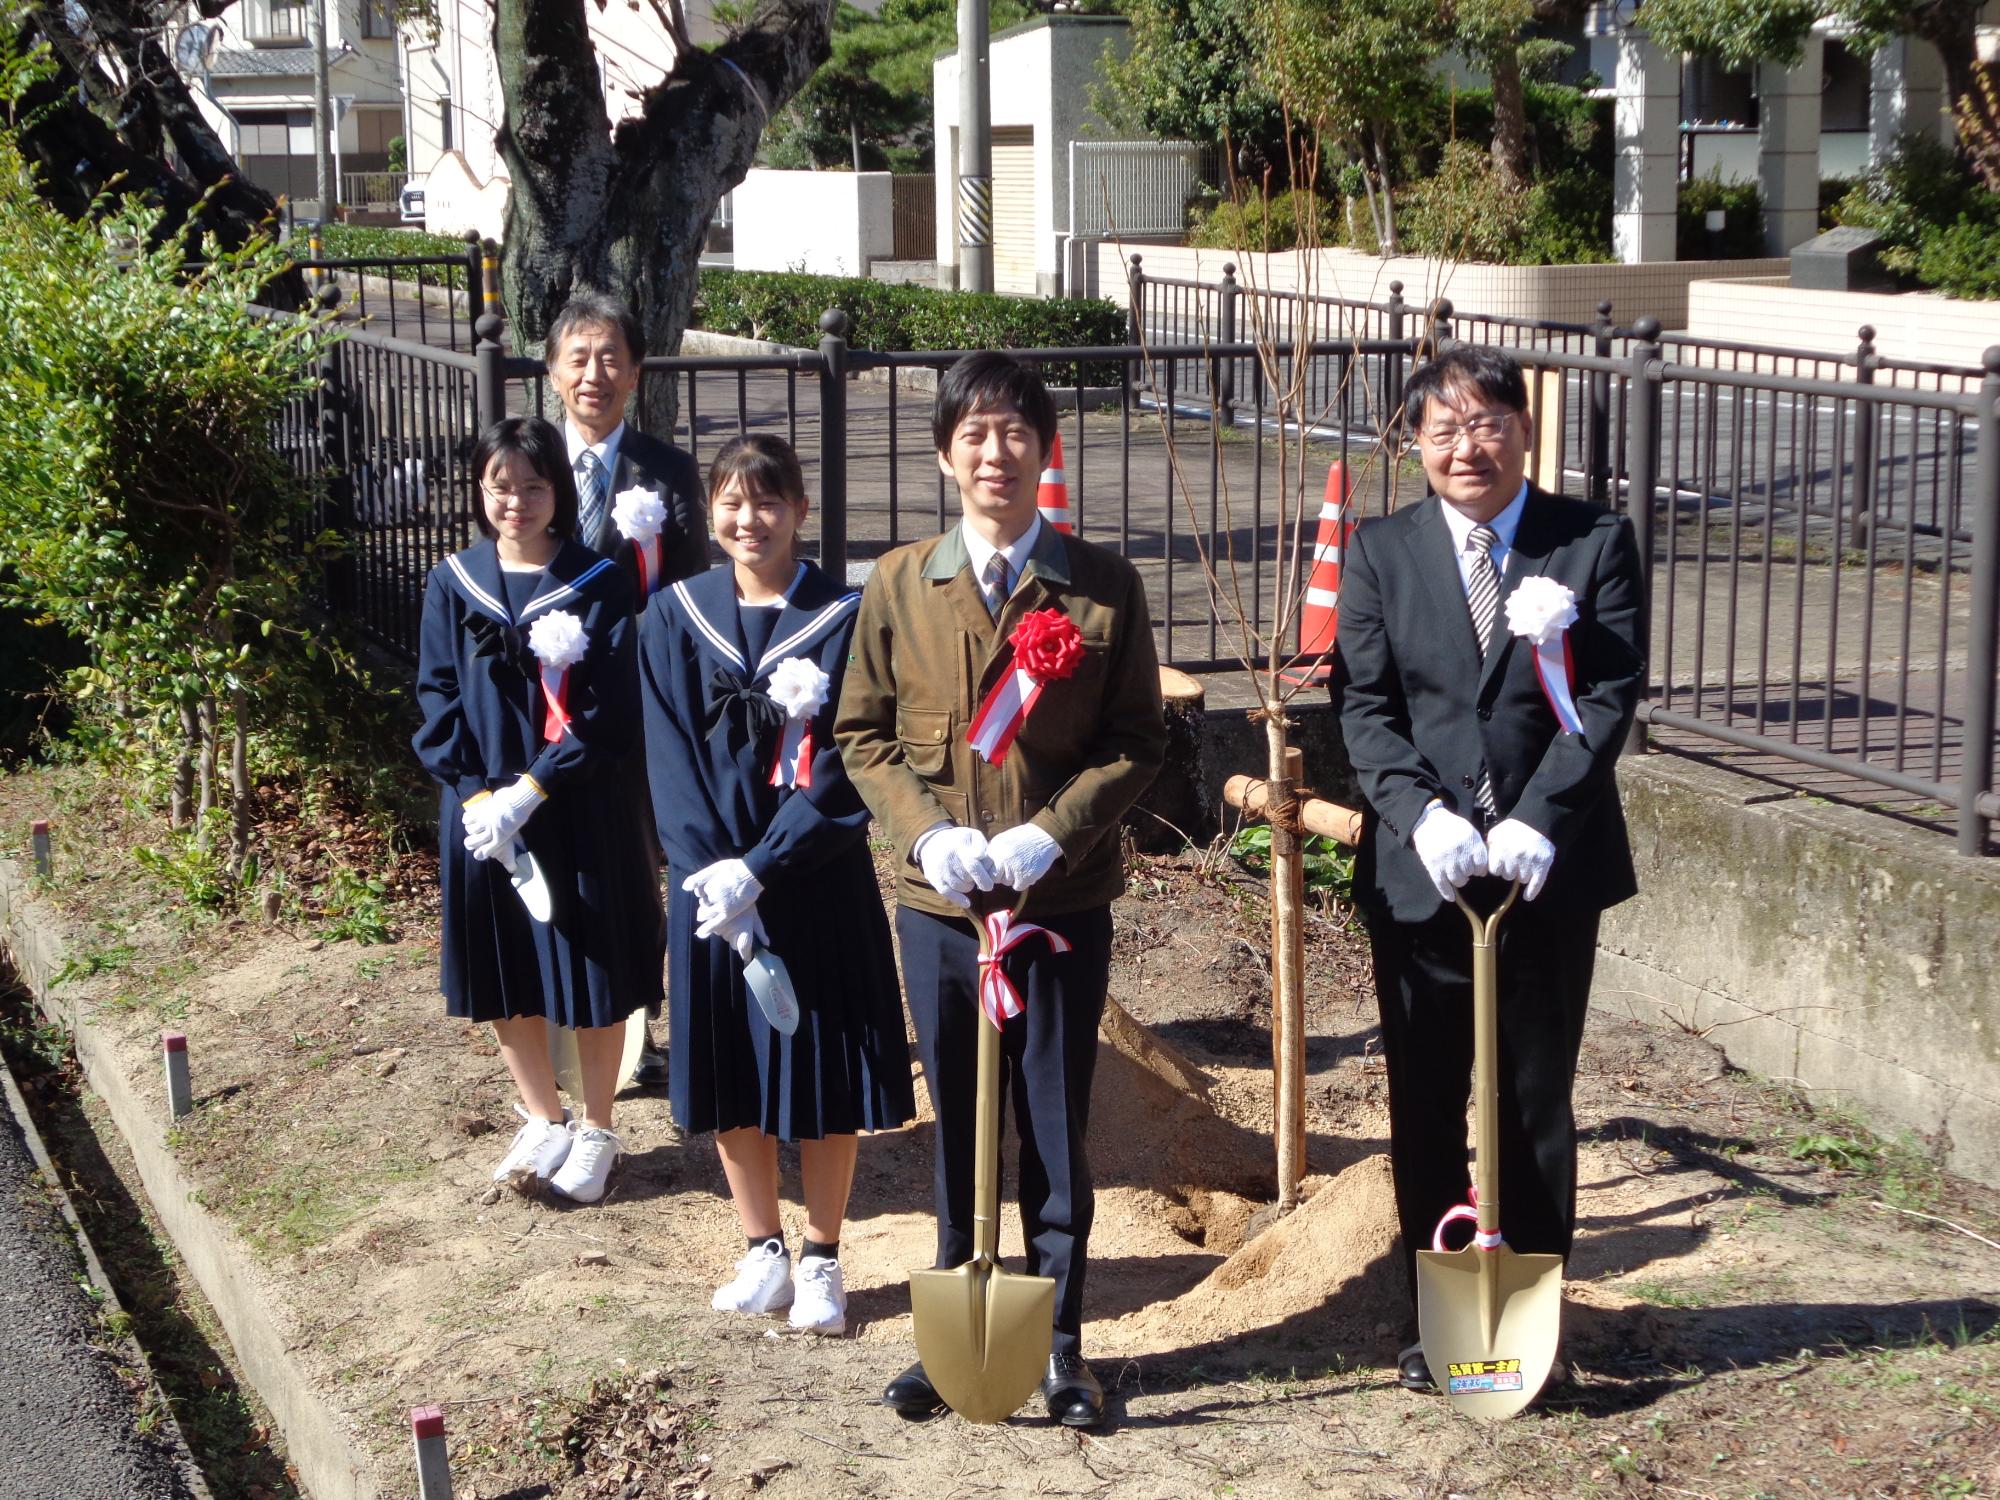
pixel 932 640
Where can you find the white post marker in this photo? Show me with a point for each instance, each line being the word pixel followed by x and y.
pixel 180 1094
pixel 433 1467
pixel 38 835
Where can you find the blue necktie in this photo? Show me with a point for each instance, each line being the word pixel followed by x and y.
pixel 592 485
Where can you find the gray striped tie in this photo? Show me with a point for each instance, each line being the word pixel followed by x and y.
pixel 994 584
pixel 1482 598
pixel 591 489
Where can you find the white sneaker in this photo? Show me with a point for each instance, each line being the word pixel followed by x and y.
pixel 763 1282
pixel 820 1296
pixel 539 1147
pixel 588 1166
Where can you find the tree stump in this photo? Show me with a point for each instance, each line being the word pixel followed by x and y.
pixel 1175 809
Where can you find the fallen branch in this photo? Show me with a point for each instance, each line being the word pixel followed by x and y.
pixel 1913 1213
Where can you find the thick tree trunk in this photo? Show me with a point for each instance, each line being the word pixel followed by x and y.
pixel 1510 115
pixel 1392 242
pixel 627 214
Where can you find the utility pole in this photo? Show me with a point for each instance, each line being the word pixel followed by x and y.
pixel 975 151
pixel 323 178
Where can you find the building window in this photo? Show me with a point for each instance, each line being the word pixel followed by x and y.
pixel 445 142
pixel 288 21
pixel 376 20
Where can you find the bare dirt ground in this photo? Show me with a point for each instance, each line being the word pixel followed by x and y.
pixel 1763 1301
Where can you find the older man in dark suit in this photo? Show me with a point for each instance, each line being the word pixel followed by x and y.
pixel 1478 767
pixel 593 353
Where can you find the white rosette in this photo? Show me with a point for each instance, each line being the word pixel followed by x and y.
pixel 1542 611
pixel 639 516
pixel 558 642
pixel 799 687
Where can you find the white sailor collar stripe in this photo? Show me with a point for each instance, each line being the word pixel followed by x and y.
pixel 807 633
pixel 564 591
pixel 716 638
pixel 476 594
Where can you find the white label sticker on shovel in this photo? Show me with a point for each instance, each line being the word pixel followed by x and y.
pixel 770 984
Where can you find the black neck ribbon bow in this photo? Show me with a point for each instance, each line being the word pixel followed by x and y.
pixel 503 642
pixel 745 715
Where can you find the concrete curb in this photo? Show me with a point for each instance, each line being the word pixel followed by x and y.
pixel 128 1347
pixel 328 1464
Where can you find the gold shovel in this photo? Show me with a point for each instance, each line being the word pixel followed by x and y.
pixel 983 1331
pixel 1489 1318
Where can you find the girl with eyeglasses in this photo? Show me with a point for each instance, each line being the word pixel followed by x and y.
pixel 550 909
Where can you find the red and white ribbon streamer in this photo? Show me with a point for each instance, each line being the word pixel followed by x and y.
pixel 1003 713
pixel 1466 1212
pixel 997 995
pixel 555 719
pixel 650 565
pixel 1557 669
pixel 794 763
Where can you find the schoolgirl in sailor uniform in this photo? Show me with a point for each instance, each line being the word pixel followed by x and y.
pixel 527 681
pixel 766 845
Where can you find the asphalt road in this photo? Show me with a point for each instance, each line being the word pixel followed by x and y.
pixel 69 1417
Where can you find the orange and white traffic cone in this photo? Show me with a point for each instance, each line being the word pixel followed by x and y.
pixel 1319 614
pixel 1052 494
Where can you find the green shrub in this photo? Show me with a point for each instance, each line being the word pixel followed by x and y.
pixel 1569 130
pixel 377 242
pixel 1962 259
pixel 1742 205
pixel 785 308
pixel 1266 224
pixel 1465 213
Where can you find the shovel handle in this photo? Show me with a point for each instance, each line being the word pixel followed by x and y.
pixel 1485 1059
pixel 986 1123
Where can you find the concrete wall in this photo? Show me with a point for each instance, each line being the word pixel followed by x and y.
pixel 828 223
pixel 1909 325
pixel 1827 946
pixel 1567 294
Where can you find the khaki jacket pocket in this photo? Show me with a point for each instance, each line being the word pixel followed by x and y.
pixel 925 735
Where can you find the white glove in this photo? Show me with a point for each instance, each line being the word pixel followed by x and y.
pixel 723 889
pixel 743 932
pixel 1022 855
pixel 491 823
pixel 1514 851
pixel 954 861
pixel 1450 847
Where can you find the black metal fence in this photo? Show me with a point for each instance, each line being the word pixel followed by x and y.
pixel 1822 532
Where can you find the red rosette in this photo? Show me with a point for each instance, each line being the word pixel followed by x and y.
pixel 1047 645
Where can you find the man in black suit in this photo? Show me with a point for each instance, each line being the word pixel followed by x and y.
pixel 593 354
pixel 1474 776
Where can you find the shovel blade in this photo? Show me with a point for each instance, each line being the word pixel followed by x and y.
pixel 983 1336
pixel 1490 1321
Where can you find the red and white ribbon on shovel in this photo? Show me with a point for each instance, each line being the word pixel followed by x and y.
pixel 997 995
pixel 1047 648
pixel 1542 610
pixel 1469 1212
pixel 639 514
pixel 558 643
pixel 799 687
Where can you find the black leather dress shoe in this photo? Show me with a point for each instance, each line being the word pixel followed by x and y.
pixel 1071 1392
pixel 1413 1372
pixel 912 1395
pixel 652 1070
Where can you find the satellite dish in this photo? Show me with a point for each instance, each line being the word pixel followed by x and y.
pixel 194 48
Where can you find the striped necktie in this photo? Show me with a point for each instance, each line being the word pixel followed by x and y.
pixel 1482 598
pixel 592 484
pixel 994 584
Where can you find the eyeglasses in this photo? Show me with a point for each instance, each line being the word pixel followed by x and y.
pixel 529 493
pixel 1485 429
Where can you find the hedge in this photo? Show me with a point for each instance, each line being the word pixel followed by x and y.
pixel 377 242
pixel 784 307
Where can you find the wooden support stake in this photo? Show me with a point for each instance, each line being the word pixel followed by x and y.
pixel 1316 814
pixel 1288 998
pixel 38 836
